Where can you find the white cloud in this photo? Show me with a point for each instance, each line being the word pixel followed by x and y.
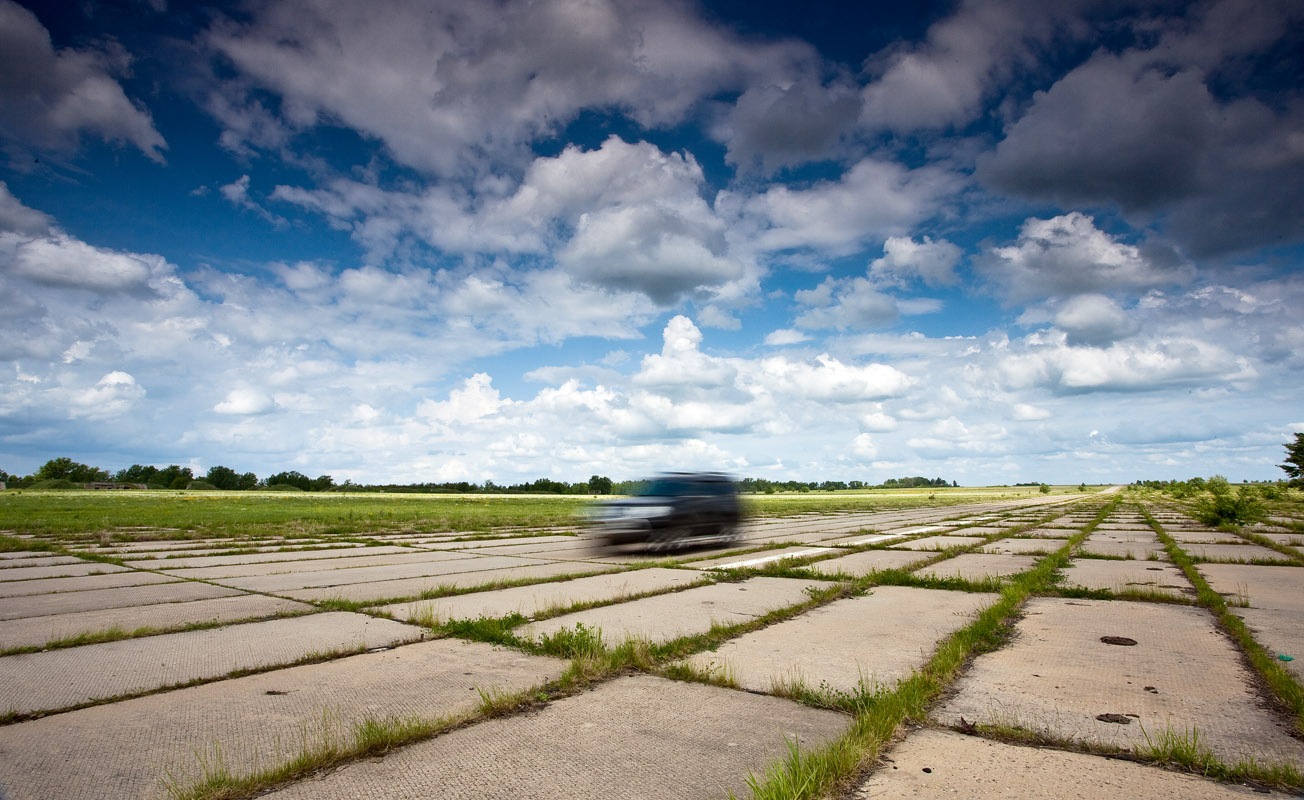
pixel 443 86
pixel 966 56
pixel 785 336
pixel 1069 255
pixel 875 198
pixel 623 217
pixel 62 261
pixel 1140 365
pixel 1093 319
pixel 112 396
pixel 775 126
pixel 244 402
pixel 905 260
pixel 1026 412
pixel 1153 130
pixel 53 96
pixel 846 304
pixel 18 218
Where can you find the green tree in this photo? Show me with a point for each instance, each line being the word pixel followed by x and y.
pixel 137 473
pixel 322 483
pixel 223 477
pixel 290 478
pixel 173 476
pixel 600 485
pixel 1294 465
pixel 68 470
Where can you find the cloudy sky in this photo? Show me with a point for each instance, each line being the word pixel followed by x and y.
pixel 419 240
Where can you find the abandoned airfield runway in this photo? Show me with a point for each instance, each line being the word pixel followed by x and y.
pixel 222 665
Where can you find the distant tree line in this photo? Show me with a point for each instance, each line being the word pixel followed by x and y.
pixel 66 473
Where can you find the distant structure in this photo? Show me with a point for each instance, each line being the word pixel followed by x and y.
pixel 115 486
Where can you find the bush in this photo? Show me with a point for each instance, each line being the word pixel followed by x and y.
pixel 283 487
pixel 1220 506
pixel 55 483
pixel 201 486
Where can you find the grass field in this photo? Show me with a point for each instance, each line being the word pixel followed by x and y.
pixel 132 515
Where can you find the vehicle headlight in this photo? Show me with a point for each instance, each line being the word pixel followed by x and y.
pixel 652 511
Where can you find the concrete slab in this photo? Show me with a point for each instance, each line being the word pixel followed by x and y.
pixel 1277 588
pixel 1057 676
pixel 263 557
pixel 849 645
pixel 82 583
pixel 858 564
pixel 301 565
pixel 81 568
pixel 1139 551
pixel 40 605
pixel 977 566
pixel 60 679
pixel 608 744
pixel 1120 576
pixel 939 543
pixel 1288 539
pixel 127 749
pixel 1024 546
pixel 1205 537
pixel 448 564
pixel 530 601
pixel 386 591
pixel 1234 553
pixel 34 558
pixel 37 631
pixel 932 763
pixel 763 557
pixel 1279 632
pixel 685 613
pixel 517 546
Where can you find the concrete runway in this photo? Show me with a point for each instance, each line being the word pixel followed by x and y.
pixel 241 662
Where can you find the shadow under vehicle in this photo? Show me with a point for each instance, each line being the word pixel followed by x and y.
pixel 672 511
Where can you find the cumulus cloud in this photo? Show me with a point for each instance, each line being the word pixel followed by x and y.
pixel 1093 320
pixel 245 401
pixel 843 304
pixel 944 81
pixel 444 85
pixel 875 198
pixel 18 218
pixel 776 126
pixel 112 396
pixel 54 96
pixel 622 217
pixel 1068 255
pixel 59 260
pixel 1152 131
pixel 1052 363
pixel 905 260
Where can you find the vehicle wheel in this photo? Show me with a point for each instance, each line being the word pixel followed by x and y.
pixel 663 541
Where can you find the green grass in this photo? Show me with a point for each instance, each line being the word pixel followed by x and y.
pixel 81 516
pixel 90 517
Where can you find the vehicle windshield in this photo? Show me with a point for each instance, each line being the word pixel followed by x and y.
pixel 664 487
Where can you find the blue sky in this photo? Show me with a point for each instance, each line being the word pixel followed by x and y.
pixel 993 242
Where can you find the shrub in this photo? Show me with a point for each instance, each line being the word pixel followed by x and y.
pixel 55 483
pixel 1221 506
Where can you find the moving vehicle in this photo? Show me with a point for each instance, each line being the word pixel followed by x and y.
pixel 674 510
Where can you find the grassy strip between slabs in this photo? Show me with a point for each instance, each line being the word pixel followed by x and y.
pixel 1286 690
pixel 878 712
